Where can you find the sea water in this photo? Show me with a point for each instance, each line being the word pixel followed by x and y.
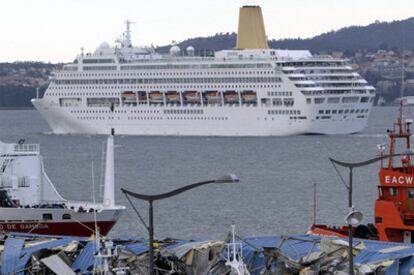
pixel 277 176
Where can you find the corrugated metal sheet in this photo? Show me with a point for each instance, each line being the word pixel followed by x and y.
pixel 11 255
pixel 57 265
pixel 137 248
pixel 27 252
pixel 15 257
pixel 85 259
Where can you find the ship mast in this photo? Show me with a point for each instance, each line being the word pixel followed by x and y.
pixel 109 187
pixel 400 129
pixel 127 41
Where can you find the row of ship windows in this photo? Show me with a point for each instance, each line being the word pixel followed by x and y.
pixel 318 71
pixel 198 66
pixel 351 78
pixel 168 111
pixel 334 100
pixel 152 118
pixel 160 74
pixel 283 112
pixel 187 112
pixel 316 64
pixel 288 102
pixel 108 111
pixel 279 93
pixel 59 93
pixel 269 79
pixel 186 118
pixel 111 68
pixel 291 118
pixel 329 117
pixel 346 111
pixel 364 90
pixel 339 85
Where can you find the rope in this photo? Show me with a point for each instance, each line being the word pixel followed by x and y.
pixel 136 211
pixel 340 176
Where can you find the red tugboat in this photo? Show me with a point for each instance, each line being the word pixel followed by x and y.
pixel 394 207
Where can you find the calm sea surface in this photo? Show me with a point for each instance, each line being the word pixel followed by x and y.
pixel 277 174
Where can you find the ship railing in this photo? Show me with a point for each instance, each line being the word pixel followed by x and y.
pixel 192 59
pixel 25 148
pixel 86 205
pixel 75 205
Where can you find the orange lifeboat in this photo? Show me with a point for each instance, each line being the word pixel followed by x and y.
pixel 231 97
pixel 212 96
pixel 249 97
pixel 156 97
pixel 173 96
pixel 192 96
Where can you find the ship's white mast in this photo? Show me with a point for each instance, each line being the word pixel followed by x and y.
pixel 109 187
pixel 127 41
pixel 235 256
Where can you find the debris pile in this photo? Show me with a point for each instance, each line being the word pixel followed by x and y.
pixel 297 254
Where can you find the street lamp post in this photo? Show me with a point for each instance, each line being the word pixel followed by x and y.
pixel 354 217
pixel 151 198
pixel 350 219
pixel 350 206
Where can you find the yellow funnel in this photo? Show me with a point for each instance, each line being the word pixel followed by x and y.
pixel 251 34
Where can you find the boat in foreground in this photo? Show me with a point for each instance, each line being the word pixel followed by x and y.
pixel 394 207
pixel 30 203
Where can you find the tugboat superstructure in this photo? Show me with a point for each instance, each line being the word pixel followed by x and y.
pixel 394 207
pixel 30 203
pixel 248 91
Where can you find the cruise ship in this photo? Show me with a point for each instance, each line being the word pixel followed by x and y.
pixel 251 90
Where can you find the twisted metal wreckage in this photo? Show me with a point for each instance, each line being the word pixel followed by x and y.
pixel 296 254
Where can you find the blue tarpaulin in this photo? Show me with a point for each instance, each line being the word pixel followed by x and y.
pixel 16 257
pixel 294 247
pixel 86 258
pixel 11 255
pixel 298 246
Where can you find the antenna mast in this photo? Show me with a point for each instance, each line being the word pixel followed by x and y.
pixel 127 39
pixel 402 72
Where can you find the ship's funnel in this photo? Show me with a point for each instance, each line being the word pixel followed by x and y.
pixel 251 33
pixel 109 187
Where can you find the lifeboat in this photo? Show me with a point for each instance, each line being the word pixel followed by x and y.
pixel 231 97
pixel 192 96
pixel 129 97
pixel 173 96
pixel 394 206
pixel 128 94
pixel 212 96
pixel 156 97
pixel 249 97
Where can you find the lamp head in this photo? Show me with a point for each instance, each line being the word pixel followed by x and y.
pixel 227 179
pixel 381 147
pixel 354 217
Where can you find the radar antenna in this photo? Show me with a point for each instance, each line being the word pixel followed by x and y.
pixel 127 40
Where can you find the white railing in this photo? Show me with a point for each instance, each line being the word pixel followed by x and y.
pixel 24 148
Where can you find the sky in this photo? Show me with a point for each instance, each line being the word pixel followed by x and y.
pixel 55 30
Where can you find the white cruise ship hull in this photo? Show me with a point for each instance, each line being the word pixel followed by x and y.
pixel 251 90
pixel 214 121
